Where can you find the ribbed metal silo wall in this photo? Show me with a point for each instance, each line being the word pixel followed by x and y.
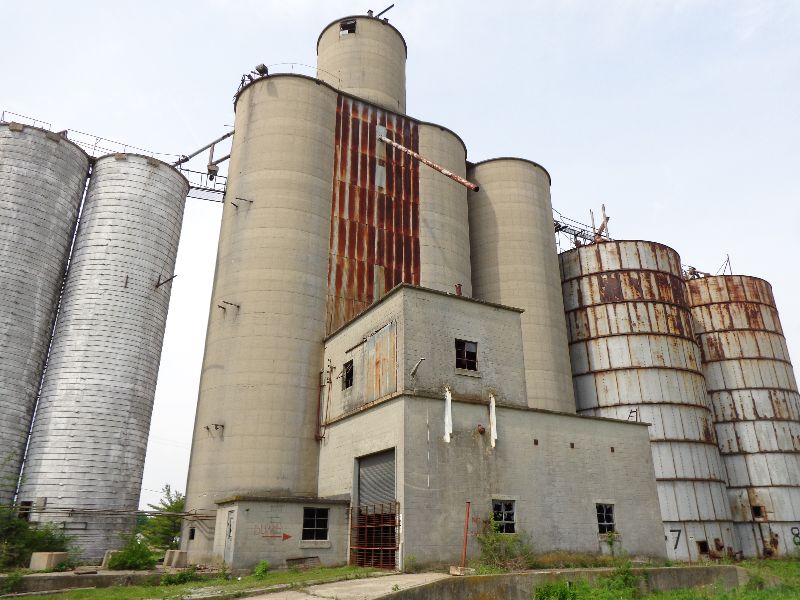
pixel 632 348
pixel 444 214
pixel 369 63
pixel 256 414
pixel 514 262
pixel 90 433
pixel 756 408
pixel 42 180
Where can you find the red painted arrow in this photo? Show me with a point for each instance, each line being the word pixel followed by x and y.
pixel 284 536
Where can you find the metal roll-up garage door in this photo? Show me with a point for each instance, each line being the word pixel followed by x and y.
pixel 376 478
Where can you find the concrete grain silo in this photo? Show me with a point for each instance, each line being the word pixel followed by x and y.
pixel 42 180
pixel 365 57
pixel 256 414
pixel 514 262
pixel 444 215
pixel 90 433
pixel 756 406
pixel 634 356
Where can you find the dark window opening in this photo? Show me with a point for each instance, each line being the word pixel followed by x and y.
pixel 347 376
pixel 605 518
pixel 612 448
pixel 702 547
pixel 758 512
pixel 347 27
pixel 25 508
pixel 535 442
pixel 191 533
pixel 466 355
pixel 503 514
pixel 315 524
pixel 572 444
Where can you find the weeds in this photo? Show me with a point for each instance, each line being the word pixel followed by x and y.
pixel 261 569
pixel 134 556
pixel 505 551
pixel 181 577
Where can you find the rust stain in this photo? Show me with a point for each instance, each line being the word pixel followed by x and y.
pixel 374 243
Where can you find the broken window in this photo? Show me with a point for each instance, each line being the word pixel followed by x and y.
pixel 605 518
pixel 758 512
pixel 503 515
pixel 347 27
pixel 25 508
pixel 702 547
pixel 466 355
pixel 315 524
pixel 347 375
pixel 191 533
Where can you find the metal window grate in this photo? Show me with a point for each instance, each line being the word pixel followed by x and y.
pixel 373 535
pixel 347 376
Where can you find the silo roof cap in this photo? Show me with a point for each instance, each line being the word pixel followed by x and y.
pixel 364 17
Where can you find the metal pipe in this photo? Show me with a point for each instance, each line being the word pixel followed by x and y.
pixel 184 159
pixel 431 164
pixel 466 532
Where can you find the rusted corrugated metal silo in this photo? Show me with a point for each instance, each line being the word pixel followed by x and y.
pixel 756 407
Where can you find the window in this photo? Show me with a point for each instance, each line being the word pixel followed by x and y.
pixel 466 355
pixel 191 533
pixel 605 518
pixel 315 524
pixel 25 508
pixel 503 515
pixel 347 375
pixel 347 27
pixel 702 547
pixel 758 512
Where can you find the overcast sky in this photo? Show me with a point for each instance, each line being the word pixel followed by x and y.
pixel 682 117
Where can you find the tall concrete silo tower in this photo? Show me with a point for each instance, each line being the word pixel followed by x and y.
pixel 88 442
pixel 364 57
pixel 514 262
pixel 634 356
pixel 321 219
pixel 42 180
pixel 756 407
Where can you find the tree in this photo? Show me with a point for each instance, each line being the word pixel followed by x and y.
pixel 164 531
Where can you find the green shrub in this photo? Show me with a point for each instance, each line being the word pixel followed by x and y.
pixel 560 590
pixel 506 551
pixel 133 556
pixel 410 564
pixel 11 583
pixel 261 569
pixel 19 539
pixel 182 576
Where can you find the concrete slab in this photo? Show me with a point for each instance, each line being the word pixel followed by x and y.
pixel 357 589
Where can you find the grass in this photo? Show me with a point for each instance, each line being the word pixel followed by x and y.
pixel 175 592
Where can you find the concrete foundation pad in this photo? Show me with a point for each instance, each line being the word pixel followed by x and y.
pixel 44 561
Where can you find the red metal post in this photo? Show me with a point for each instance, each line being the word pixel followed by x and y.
pixel 431 164
pixel 466 531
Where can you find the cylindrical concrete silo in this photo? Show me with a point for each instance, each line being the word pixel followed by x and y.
pixel 42 180
pixel 514 262
pixel 756 407
pixel 634 356
pixel 444 215
pixel 256 413
pixel 89 436
pixel 365 57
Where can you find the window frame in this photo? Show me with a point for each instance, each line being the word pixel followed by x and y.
pixel 504 524
pixel 347 375
pixel 463 360
pixel 605 526
pixel 312 514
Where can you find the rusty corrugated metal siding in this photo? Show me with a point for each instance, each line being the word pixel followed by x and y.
pixel 634 355
pixel 755 404
pixel 374 243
